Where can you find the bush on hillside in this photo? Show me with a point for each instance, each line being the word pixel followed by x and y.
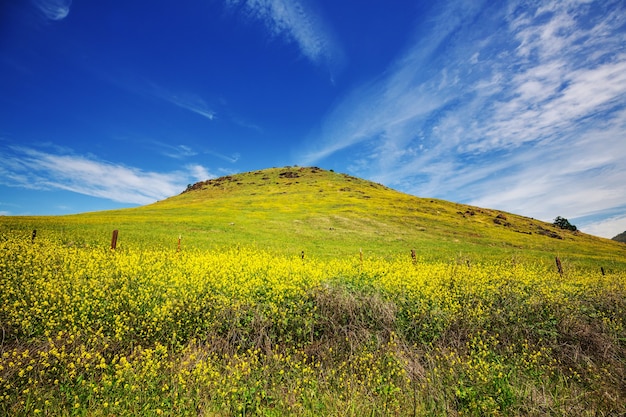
pixel 563 223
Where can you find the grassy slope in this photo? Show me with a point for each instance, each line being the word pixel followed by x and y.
pixel 329 214
pixel 507 339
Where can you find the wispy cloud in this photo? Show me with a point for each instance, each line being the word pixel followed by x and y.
pixel 524 113
pixel 141 86
pixel 296 21
pixel 184 152
pixel 188 101
pixel 174 151
pixel 5 208
pixel 192 103
pixel 54 9
pixel 30 168
pixel 228 158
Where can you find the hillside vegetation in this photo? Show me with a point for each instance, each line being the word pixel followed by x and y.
pixel 621 237
pixel 293 292
pixel 328 214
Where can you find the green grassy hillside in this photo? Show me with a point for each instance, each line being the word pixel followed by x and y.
pixel 237 324
pixel 328 214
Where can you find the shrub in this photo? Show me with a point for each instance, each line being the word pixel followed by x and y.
pixel 563 223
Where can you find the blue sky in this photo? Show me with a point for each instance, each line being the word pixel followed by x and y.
pixel 513 105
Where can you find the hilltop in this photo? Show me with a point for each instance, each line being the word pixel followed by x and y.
pixel 327 214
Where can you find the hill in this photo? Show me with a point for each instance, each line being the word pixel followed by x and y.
pixel 620 238
pixel 329 214
pixel 235 323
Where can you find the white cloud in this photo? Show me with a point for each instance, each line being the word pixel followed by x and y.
pixel 295 21
pixel 609 227
pixel 524 112
pixel 34 169
pixel 54 9
pixel 198 172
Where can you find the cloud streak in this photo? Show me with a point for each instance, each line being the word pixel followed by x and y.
pixel 295 21
pixel 525 113
pixel 182 152
pixel 30 168
pixel 54 9
pixel 192 103
pixel 188 101
pixel 174 151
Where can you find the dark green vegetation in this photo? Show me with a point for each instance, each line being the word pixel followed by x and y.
pixel 563 223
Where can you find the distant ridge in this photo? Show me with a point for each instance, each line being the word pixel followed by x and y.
pixel 621 237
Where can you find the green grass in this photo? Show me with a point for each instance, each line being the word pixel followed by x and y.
pixel 328 214
pixel 237 324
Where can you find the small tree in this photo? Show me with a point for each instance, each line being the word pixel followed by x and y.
pixel 563 223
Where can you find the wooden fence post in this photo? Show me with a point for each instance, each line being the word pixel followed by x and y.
pixel 361 258
pixel 34 236
pixel 558 265
pixel 178 247
pixel 413 255
pixel 602 270
pixel 114 240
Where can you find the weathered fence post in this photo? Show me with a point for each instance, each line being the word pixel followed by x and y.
pixel 361 259
pixel 114 240
pixel 602 270
pixel 178 247
pixel 413 255
pixel 558 265
pixel 34 236
pixel 302 255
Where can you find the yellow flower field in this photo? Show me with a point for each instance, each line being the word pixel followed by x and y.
pixel 239 331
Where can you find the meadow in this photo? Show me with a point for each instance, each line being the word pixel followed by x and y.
pixel 292 291
pixel 237 330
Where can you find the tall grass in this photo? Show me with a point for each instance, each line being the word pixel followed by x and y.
pixel 243 331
